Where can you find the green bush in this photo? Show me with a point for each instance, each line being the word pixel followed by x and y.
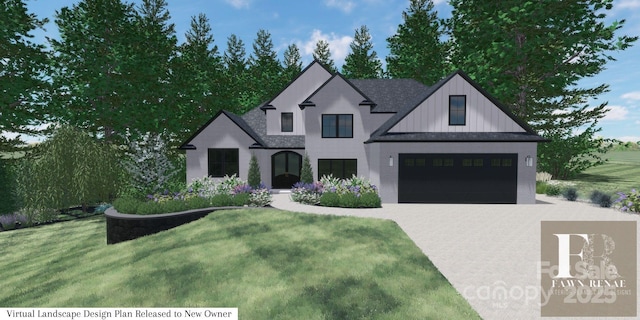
pixel 349 200
pixel 370 200
pixel 149 207
pixel 241 199
pixel 8 200
pixel 306 172
pixel 330 199
pixel 570 194
pixel 197 203
pixel 553 190
pixel 174 206
pixel 128 205
pixel 541 187
pixel 253 176
pixel 221 200
pixel 600 198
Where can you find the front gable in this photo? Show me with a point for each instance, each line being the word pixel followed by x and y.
pixel 223 130
pixel 310 79
pixel 482 113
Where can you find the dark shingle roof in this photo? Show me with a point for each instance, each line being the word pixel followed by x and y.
pixel 390 95
pixel 257 119
pixel 458 137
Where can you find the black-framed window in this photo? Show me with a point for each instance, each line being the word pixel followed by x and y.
pixel 286 122
pixel 223 162
pixel 337 126
pixel 457 110
pixel 339 168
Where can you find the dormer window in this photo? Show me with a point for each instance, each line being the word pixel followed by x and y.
pixel 457 110
pixel 286 121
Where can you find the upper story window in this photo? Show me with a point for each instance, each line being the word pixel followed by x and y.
pixel 337 126
pixel 286 122
pixel 457 110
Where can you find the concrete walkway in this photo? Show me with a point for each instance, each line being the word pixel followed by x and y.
pixel 481 248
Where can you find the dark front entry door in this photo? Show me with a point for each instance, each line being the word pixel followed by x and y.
pixel 458 178
pixel 285 169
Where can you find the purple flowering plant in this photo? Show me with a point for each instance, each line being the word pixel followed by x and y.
pixel 628 202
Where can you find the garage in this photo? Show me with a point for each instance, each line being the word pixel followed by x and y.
pixel 457 178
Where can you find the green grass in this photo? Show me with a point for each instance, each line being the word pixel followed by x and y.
pixel 270 264
pixel 620 173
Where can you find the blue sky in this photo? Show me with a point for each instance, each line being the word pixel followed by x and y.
pixel 306 22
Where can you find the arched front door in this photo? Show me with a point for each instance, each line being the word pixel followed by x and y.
pixel 285 169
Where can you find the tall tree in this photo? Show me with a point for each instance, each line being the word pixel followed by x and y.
pixel 199 76
pixel 292 62
pixel 23 68
pixel 322 53
pixel 95 67
pixel 416 51
pixel 362 62
pixel 264 69
pixel 235 62
pixel 531 55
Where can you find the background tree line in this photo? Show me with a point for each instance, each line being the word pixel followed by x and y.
pixel 117 66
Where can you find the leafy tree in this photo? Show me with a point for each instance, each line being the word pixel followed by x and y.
pixel 23 69
pixel 147 163
pixel 235 62
pixel 531 55
pixel 306 172
pixel 322 53
pixel 265 71
pixel 416 51
pixel 95 76
pixel 292 62
pixel 362 62
pixel 254 177
pixel 199 77
pixel 8 201
pixel 68 169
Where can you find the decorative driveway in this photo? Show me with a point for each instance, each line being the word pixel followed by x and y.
pixel 481 249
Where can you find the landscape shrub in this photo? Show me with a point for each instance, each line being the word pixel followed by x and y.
pixel 600 198
pixel 8 200
pixel 128 205
pixel 370 200
pixel 628 202
pixel 543 176
pixel 571 194
pixel 203 187
pixel 306 172
pixel 149 207
pixel 306 193
pixel 553 190
pixel 349 200
pixel 69 169
pixel 147 163
pixel 253 177
pixel 174 205
pixel 260 197
pixel 330 199
pixel 221 200
pixel 541 187
pixel 241 199
pixel 605 201
pixel 228 184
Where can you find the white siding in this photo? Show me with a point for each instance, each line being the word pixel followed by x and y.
pixel 432 115
pixel 294 94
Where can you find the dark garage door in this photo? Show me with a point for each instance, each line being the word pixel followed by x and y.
pixel 458 178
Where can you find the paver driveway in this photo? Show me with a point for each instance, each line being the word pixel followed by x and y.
pixel 481 248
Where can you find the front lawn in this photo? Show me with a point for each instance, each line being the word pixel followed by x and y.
pixel 270 264
pixel 620 174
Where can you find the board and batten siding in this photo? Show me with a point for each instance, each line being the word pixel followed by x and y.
pixel 294 94
pixel 432 115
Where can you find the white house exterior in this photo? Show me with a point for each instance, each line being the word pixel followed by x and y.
pixel 451 142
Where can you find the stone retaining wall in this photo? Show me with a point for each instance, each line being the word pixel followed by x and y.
pixel 123 227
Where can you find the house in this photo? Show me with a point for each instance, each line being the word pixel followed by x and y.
pixel 448 143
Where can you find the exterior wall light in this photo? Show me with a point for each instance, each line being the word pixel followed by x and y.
pixel 390 161
pixel 528 161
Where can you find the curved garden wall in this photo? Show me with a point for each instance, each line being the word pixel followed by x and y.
pixel 123 227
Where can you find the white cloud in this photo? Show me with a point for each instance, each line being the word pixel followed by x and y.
pixel 629 138
pixel 239 4
pixel 628 4
pixel 338 45
pixel 343 5
pixel 616 113
pixel 633 95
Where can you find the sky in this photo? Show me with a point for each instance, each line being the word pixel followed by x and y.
pixel 306 22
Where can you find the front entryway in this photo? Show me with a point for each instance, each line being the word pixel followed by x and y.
pixel 285 169
pixel 457 178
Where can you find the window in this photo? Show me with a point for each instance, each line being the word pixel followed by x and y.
pixel 286 121
pixel 223 162
pixel 457 110
pixel 337 126
pixel 339 168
